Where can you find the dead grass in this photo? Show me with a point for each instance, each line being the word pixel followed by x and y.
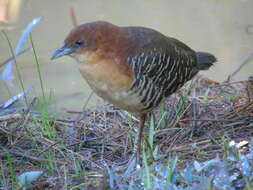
pixel 199 118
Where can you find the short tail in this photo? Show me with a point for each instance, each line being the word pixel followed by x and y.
pixel 205 60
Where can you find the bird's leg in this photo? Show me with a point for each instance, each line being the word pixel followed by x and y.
pixel 137 144
pixel 134 160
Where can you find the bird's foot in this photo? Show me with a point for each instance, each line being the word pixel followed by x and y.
pixel 133 164
pixel 135 158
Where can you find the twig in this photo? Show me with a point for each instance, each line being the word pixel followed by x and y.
pixel 27 115
pixel 219 120
pixel 245 62
pixel 53 145
pixel 73 111
pixel 73 16
pixel 10 116
pixel 22 154
pixel 80 117
pixel 36 116
pixel 239 110
pixel 79 186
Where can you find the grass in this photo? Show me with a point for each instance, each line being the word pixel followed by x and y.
pixel 184 136
pixel 151 134
pixel 16 66
pixel 171 169
pixel 46 122
pixel 13 179
pixel 47 125
pixel 38 68
pixel 146 176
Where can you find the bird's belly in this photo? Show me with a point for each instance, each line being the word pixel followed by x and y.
pixel 120 98
pixel 108 82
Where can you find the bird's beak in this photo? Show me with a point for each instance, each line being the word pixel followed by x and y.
pixel 63 50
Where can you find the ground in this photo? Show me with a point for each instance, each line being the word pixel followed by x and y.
pixel 86 149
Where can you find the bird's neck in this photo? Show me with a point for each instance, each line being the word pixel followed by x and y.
pixel 105 72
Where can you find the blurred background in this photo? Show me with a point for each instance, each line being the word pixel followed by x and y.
pixel 221 27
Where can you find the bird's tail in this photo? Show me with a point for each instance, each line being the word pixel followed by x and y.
pixel 205 60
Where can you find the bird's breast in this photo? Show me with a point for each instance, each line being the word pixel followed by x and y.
pixel 104 74
pixel 108 81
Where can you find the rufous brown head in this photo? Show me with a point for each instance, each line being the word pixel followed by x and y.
pixel 90 37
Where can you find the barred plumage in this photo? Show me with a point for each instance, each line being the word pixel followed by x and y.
pixel 160 71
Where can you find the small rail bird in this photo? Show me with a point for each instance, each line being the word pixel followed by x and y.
pixel 134 68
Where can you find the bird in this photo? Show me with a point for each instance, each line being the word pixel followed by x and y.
pixel 133 67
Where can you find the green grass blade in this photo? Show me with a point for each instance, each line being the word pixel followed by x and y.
pixel 12 173
pixel 164 115
pixel 16 65
pixel 151 132
pixel 172 165
pixel 147 173
pixel 38 67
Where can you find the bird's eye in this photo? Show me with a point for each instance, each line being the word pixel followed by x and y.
pixel 79 42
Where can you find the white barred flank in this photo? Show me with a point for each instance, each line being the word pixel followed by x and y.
pixel 159 74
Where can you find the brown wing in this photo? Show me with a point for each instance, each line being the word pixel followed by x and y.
pixel 167 62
